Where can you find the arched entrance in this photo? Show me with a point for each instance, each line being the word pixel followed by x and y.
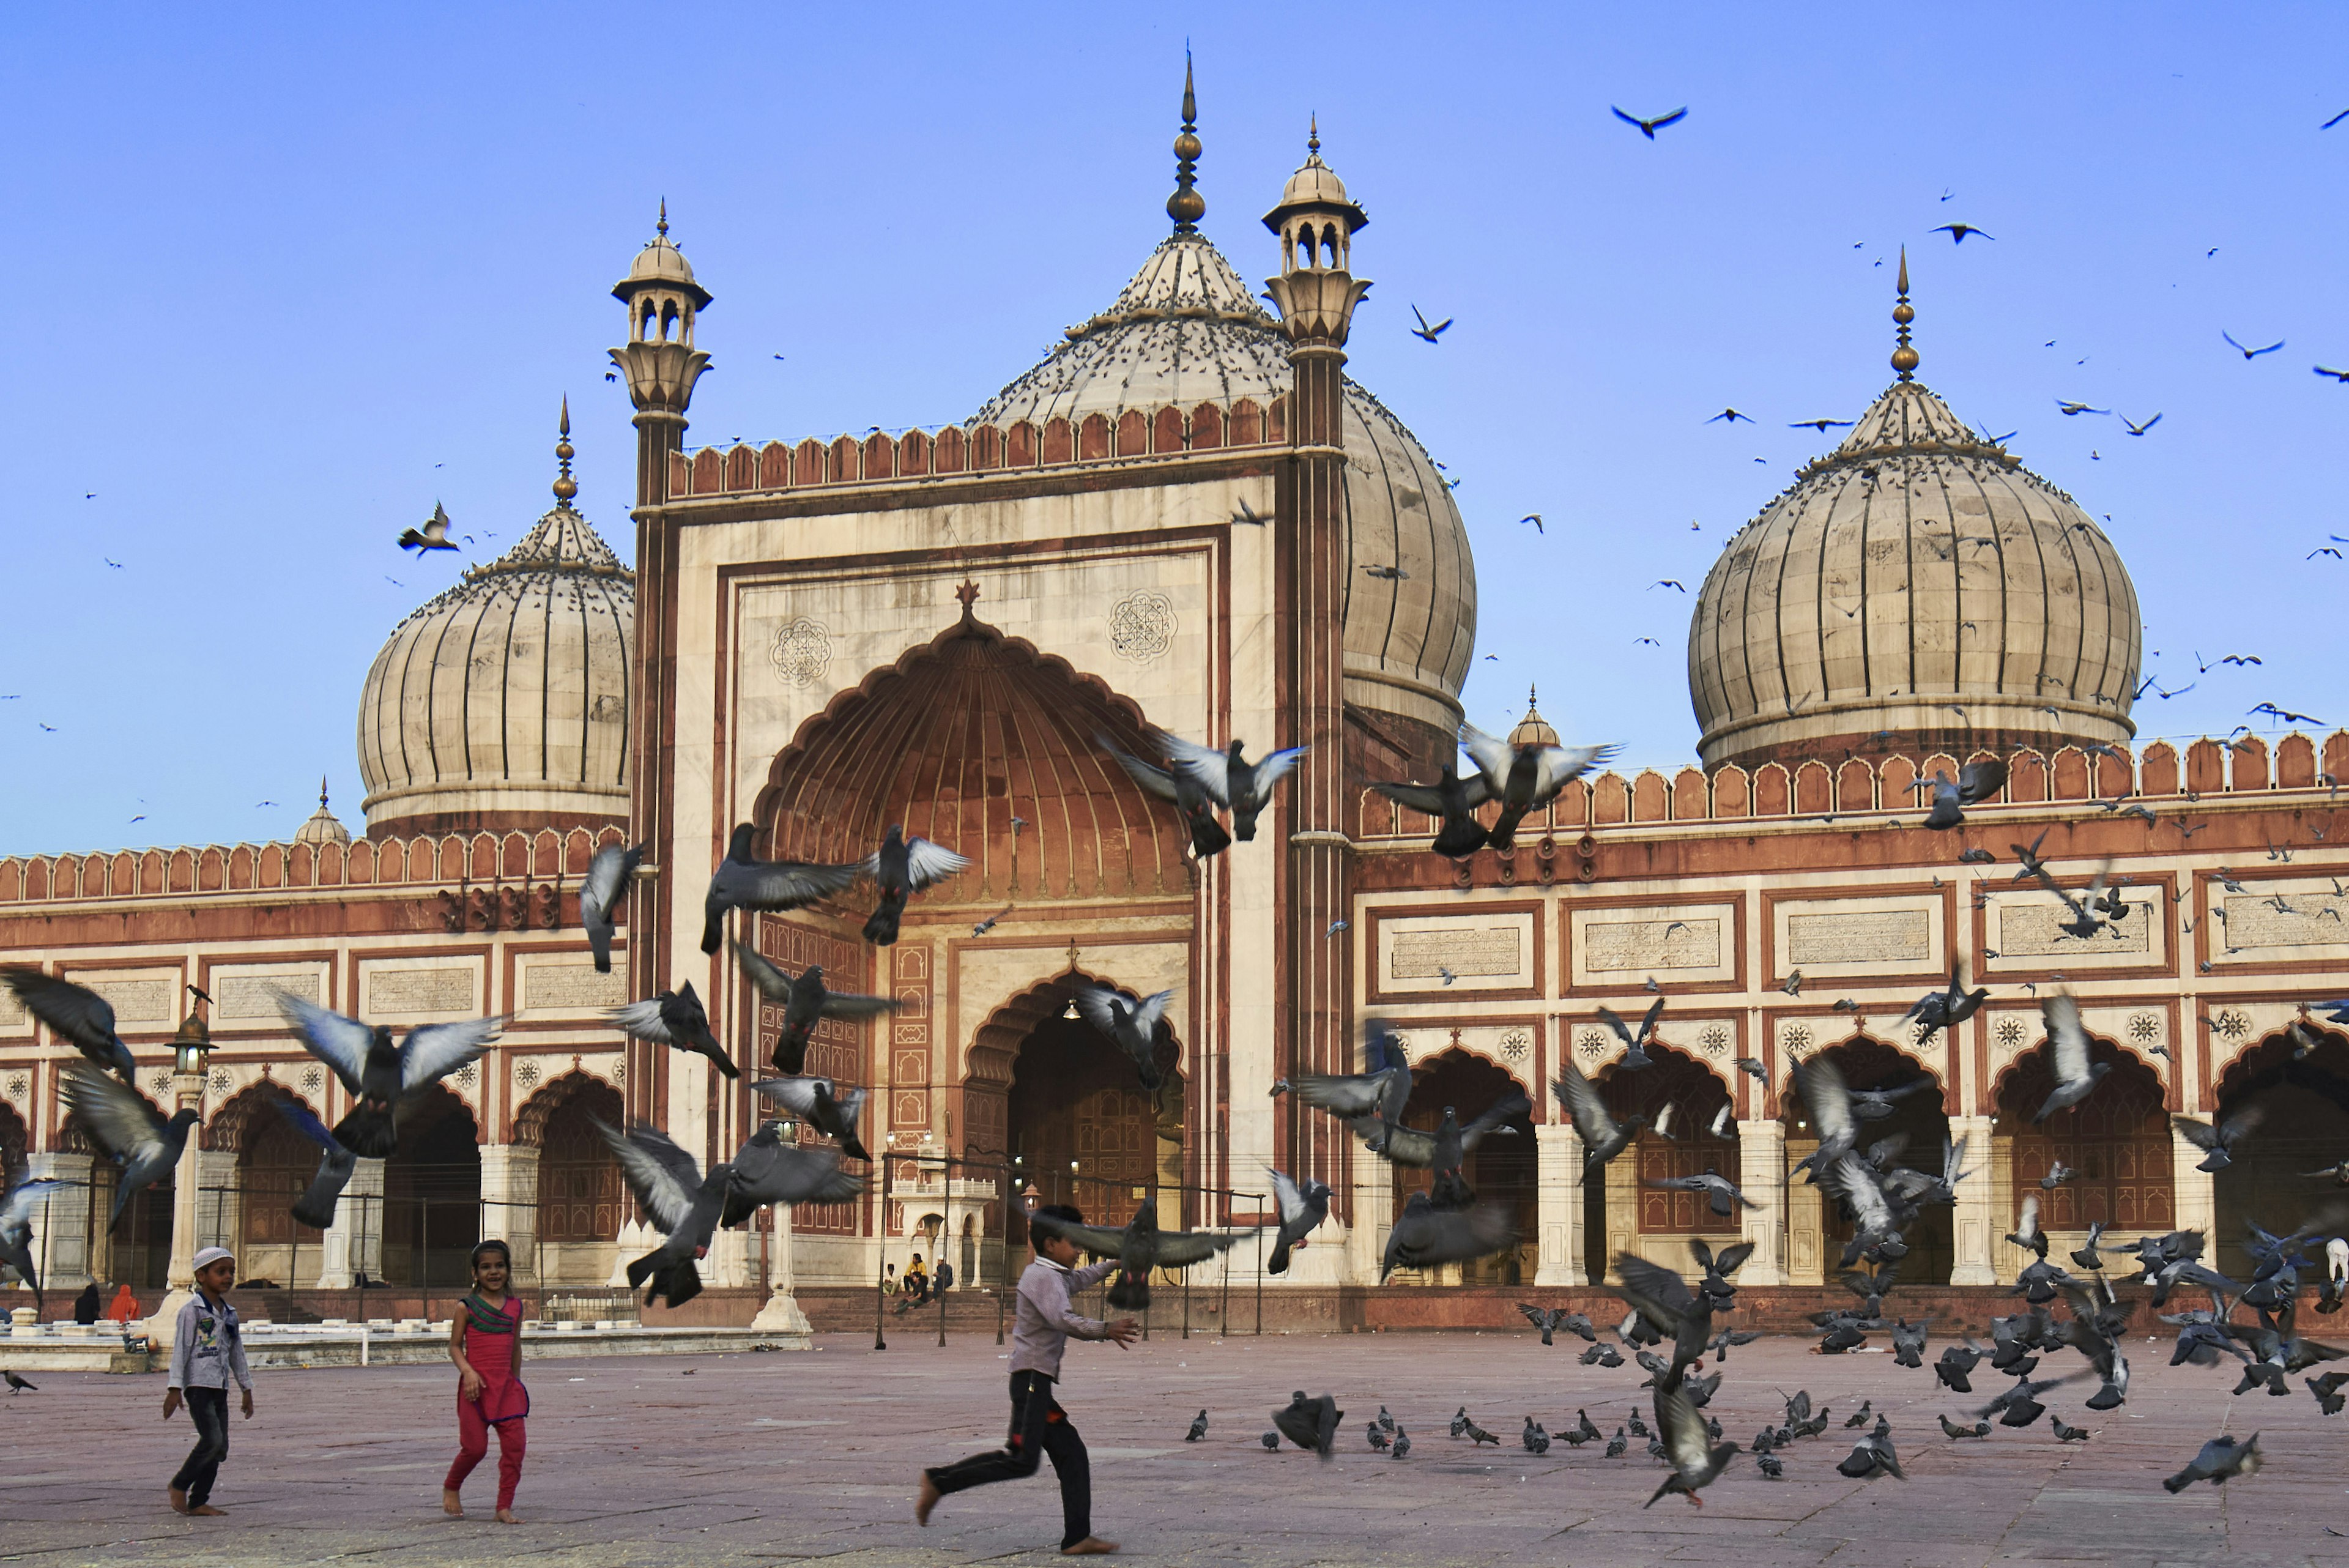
pixel 275 1164
pixel 2117 1139
pixel 581 1197
pixel 1868 1063
pixel 15 1146
pixel 1624 1212
pixel 2304 1106
pixel 1502 1169
pixel 433 1193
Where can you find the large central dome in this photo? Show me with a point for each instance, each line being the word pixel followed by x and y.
pixel 1186 330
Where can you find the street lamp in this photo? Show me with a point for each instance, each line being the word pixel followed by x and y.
pixel 188 1049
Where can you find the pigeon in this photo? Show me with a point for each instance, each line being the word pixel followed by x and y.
pixel 1860 1418
pixel 73 1014
pixel 609 876
pixel 1199 1427
pixel 1640 1427
pixel 2086 1256
pixel 1131 1023
pixel 1617 1445
pixel 820 1103
pixel 1829 1103
pixel 2067 1050
pixel 1271 1441
pixel 1720 1197
pixel 1908 1343
pixel 1425 333
pixel 2064 1434
pixel 1139 1248
pixel 683 1205
pixel 2219 1458
pixel 1242 787
pixel 1546 1319
pixel 1303 1208
pixel 1378 1435
pixel 1445 1148
pixel 1370 1099
pixel 1976 781
pixel 1648 128
pixel 2091 913
pixel 1526 778
pixel 1384 1422
pixel 900 868
pixel 1754 1070
pixel 805 1000
pixel 1184 792
pixel 674 1018
pixel 1478 1434
pixel 16 1230
pixel 315 1207
pixel 2027 1233
pixel 1401 1442
pixel 1696 1462
pixel 376 1074
pixel 2027 862
pixel 1601 1355
pixel 1633 1058
pixel 1957 1362
pixel 1772 1467
pixel 433 535
pixel 1310 1423
pixel 128 1128
pixel 2327 1389
pixel 2057 1174
pixel 2020 1405
pixel 742 882
pixel 1452 799
pixel 1871 1456
pixel 1460 1420
pixel 1424 1236
pixel 767 1171
pixel 1938 1010
pixel 2218 1142
pixel 1602 1136
pixel 1537 1440
pixel 1585 1428
pixel 17 1385
pixel 1952 1430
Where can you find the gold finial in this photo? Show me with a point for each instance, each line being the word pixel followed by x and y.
pixel 1186 206
pixel 1313 134
pixel 566 487
pixel 321 792
pixel 662 227
pixel 1904 357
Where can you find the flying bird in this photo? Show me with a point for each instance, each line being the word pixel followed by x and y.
pixel 1648 128
pixel 128 1129
pixel 1731 415
pixel 1184 791
pixel 433 535
pixel 1524 778
pixel 378 1076
pixel 2218 1142
pixel 2071 408
pixel 1139 1248
pixel 2251 353
pixel 1452 799
pixel 767 1171
pixel 1668 583
pixel 1689 1448
pixel 1130 1021
pixel 1310 1423
pixel 900 868
pixel 1958 233
pixel 1424 331
pixel 2067 1050
pixel 1822 426
pixel 805 1000
pixel 1976 781
pixel 73 1014
pixel 2219 1458
pixel 1535 518
pixel 674 1018
pixel 1425 1236
pixel 1242 787
pixel 609 876
pixel 1388 574
pixel 26 1196
pixel 744 882
pixel 315 1207
pixel 2136 430
pixel 1302 1208
pixel 1602 1137
pixel 683 1205
pixel 820 1103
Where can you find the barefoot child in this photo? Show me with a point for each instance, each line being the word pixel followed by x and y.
pixel 485 1342
pixel 207 1350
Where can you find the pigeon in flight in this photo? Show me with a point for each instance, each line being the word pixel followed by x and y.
pixel 1730 415
pixel 820 1103
pixel 73 1014
pixel 1976 781
pixel 1549 1320
pixel 315 1207
pixel 1303 1208
pixel 2218 1142
pixel 1526 778
pixel 1131 1022
pixel 901 868
pixel 1445 1149
pixel 1648 128
pixel 1696 1460
pixel 1634 1058
pixel 1822 426
pixel 1367 1100
pixel 742 882
pixel 16 1213
pixel 1310 1423
pixel 609 876
pixel 1939 1010
pixel 767 1171
pixel 1139 1248
pixel 1602 1136
pixel 2248 353
pixel 805 1000
pixel 1242 787
pixel 2219 1458
pixel 2067 1050
pixel 433 535
pixel 683 1205
pixel 128 1128
pixel 1958 233
pixel 1454 800
pixel 674 1018
pixel 2072 410
pixel 2137 430
pixel 1424 331
pixel 1828 1099
pixel 1187 795
pixel 1720 1196
pixel 378 1074
pixel 1424 1236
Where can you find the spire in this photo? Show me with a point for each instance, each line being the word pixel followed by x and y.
pixel 1313 135
pixel 1186 206
pixel 1904 357
pixel 321 792
pixel 566 487
pixel 662 226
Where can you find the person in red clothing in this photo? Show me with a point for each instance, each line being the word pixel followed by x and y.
pixel 485 1342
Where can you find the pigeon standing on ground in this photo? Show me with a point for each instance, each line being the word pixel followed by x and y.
pixel 1452 799
pixel 1184 792
pixel 1478 1434
pixel 2067 1050
pixel 378 1074
pixel 820 1103
pixel 1139 1248
pixel 609 876
pixel 1303 1208
pixel 16 1230
pixel 1951 1429
pixel 683 1205
pixel 900 868
pixel 1460 1422
pixel 767 1170
pixel 73 1014
pixel 2064 1434
pixel 805 1001
pixel 128 1128
pixel 1271 1441
pixel 1537 1440
pixel 1131 1023
pixel 1378 1436
pixel 1401 1442
pixel 1310 1423
pixel 315 1207
pixel 744 882
pixel 1199 1427
pixel 1243 787
pixel 18 1385
pixel 1526 778
pixel 674 1018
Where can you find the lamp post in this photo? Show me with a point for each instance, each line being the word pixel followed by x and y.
pixel 188 1049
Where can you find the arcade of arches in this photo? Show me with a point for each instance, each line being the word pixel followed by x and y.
pixel 2302 1107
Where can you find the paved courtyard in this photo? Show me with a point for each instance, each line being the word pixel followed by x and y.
pixel 775 1457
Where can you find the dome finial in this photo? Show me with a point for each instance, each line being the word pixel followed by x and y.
pixel 1313 133
pixel 321 792
pixel 661 227
pixel 1904 357
pixel 566 487
pixel 1186 206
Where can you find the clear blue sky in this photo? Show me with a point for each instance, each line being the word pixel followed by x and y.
pixel 285 280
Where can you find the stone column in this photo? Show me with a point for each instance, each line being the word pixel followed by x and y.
pixel 1806 1241
pixel 2195 1203
pixel 1974 1229
pixel 1366 1239
pixel 354 1243
pixel 186 1094
pixel 510 1205
pixel 1762 1176
pixel 2007 1259
pixel 64 1223
pixel 1621 1229
pixel 1557 1153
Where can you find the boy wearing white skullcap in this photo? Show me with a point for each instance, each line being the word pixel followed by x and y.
pixel 207 1350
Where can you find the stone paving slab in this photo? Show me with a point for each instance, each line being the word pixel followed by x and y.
pixel 781 1458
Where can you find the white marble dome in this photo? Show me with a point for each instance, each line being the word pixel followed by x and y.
pixel 1186 330
pixel 1920 580
pixel 505 700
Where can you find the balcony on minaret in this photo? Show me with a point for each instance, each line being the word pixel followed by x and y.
pixel 1315 293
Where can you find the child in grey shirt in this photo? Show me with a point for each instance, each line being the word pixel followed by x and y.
pixel 207 1350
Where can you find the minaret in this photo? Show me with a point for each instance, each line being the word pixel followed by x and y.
pixel 659 360
pixel 1315 296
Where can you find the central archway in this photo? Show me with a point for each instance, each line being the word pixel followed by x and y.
pixel 1921 1121
pixel 2303 1107
pixel 1501 1168
pixel 433 1193
pixel 1656 1223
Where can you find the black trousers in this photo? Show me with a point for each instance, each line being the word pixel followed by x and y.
pixel 208 1408
pixel 1039 1427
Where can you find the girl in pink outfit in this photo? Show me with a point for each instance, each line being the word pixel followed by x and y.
pixel 485 1342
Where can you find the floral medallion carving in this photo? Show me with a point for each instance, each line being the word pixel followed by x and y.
pixel 802 651
pixel 1141 626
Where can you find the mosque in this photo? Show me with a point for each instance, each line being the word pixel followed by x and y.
pixel 1189 518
